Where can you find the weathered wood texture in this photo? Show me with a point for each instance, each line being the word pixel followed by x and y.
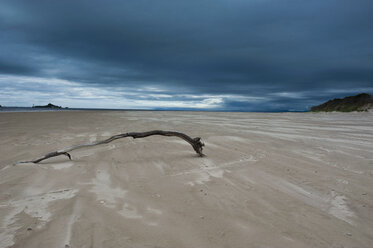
pixel 196 143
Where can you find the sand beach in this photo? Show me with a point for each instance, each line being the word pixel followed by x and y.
pixel 267 180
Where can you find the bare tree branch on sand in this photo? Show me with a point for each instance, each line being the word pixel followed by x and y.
pixel 196 143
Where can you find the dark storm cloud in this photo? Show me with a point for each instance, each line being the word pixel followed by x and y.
pixel 15 68
pixel 273 49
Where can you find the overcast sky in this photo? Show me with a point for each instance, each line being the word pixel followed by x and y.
pixel 246 55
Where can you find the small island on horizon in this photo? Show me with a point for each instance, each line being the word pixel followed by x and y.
pixel 49 105
pixel 360 103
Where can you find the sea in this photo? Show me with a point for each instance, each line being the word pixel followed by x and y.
pixel 30 109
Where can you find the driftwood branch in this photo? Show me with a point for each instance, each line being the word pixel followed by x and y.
pixel 196 143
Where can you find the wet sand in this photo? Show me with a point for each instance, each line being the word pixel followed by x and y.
pixel 268 180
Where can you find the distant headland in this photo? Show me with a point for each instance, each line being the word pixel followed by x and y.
pixel 360 102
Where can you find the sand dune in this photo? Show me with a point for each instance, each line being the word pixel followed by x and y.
pixel 268 180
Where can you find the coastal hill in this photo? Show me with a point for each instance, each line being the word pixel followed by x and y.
pixel 49 105
pixel 360 102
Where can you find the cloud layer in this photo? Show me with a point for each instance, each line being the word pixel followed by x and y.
pixel 217 55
